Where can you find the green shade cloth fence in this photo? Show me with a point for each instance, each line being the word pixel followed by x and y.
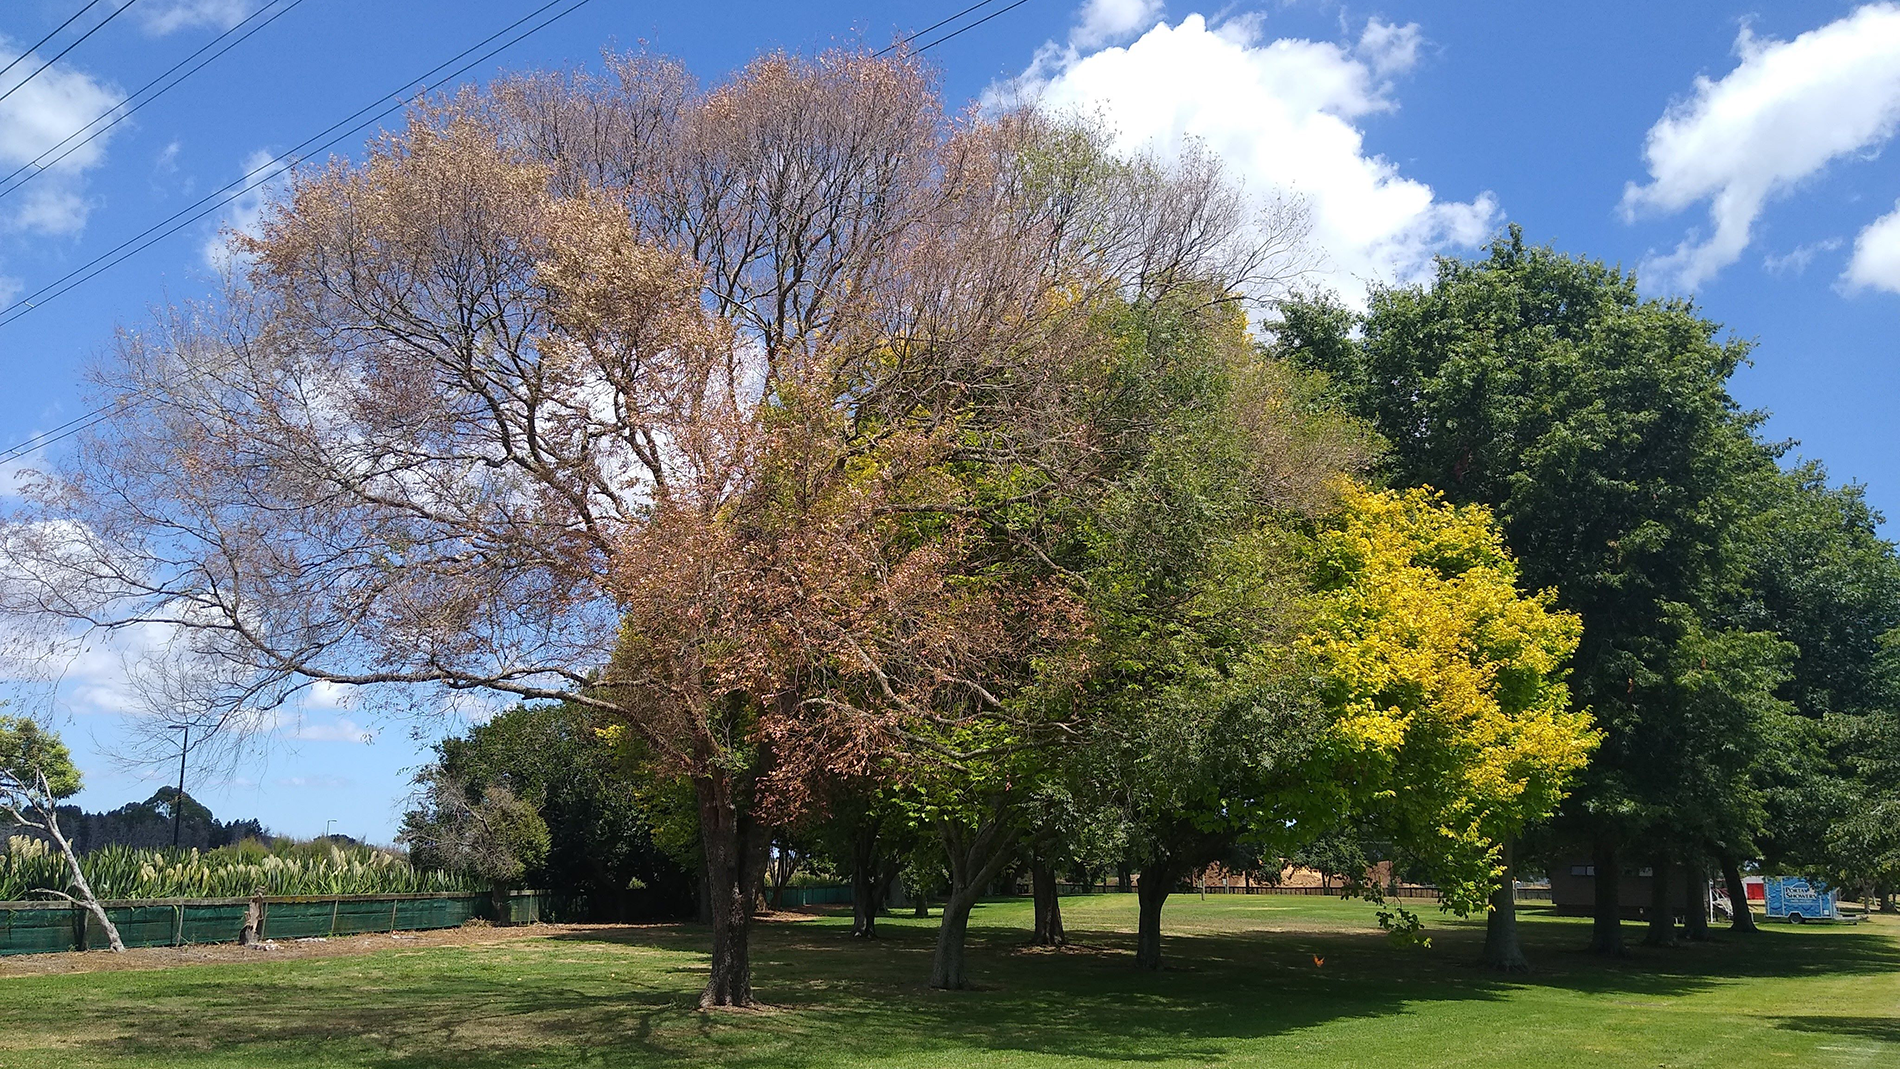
pixel 44 927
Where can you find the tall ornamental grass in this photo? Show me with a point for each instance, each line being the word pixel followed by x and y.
pixel 283 868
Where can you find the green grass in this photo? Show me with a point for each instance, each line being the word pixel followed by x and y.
pixel 1242 990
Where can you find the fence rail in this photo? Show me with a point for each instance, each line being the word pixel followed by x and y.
pixel 46 927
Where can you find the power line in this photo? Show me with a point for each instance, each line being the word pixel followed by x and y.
pixel 920 49
pixel 269 170
pixel 909 37
pixel 116 12
pixel 40 163
pixel 41 43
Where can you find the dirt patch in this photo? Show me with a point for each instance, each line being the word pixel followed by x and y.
pixel 289 949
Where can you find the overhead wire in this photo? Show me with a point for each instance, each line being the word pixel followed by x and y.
pixel 41 43
pixel 270 169
pixel 100 25
pixel 909 37
pixel 41 164
pixel 92 418
pixel 920 49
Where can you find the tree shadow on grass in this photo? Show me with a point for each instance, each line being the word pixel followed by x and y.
pixel 627 996
pixel 1881 1029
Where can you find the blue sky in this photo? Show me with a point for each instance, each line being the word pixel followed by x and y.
pixel 1737 153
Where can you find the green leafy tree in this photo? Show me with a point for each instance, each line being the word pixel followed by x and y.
pixel 1190 561
pixel 607 855
pixel 36 771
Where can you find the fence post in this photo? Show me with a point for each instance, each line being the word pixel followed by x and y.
pixel 334 903
pixel 79 927
pixel 178 924
pixel 392 916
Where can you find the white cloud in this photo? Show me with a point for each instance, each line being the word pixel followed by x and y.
pixel 1283 114
pixel 1103 21
pixel 167 17
pixel 1389 48
pixel 37 116
pixel 321 783
pixel 1797 259
pixel 342 729
pixel 246 211
pixel 1876 262
pixel 1787 110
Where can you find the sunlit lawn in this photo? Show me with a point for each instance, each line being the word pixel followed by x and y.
pixel 1243 989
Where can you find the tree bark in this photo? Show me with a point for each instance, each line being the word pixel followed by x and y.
pixel 1662 917
pixel 1122 879
pixel 85 897
pixel 253 920
pixel 1695 917
pixel 1502 949
pixel 1042 880
pixel 1606 931
pixel 1741 917
pixel 865 894
pixel 1157 882
pixel 734 846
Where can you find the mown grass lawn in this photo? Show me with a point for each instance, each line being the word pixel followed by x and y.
pixel 1242 990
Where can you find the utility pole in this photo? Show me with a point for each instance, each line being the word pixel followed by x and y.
pixel 178 800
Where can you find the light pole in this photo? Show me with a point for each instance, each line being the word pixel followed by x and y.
pixel 178 800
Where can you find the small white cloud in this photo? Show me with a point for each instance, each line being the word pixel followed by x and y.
pixel 1876 261
pixel 1283 114
pixel 342 729
pixel 1103 22
pixel 1389 48
pixel 1796 260
pixel 1786 111
pixel 168 16
pixel 244 213
pixel 167 160
pixel 320 783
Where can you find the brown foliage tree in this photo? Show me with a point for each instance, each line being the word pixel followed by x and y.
pixel 689 405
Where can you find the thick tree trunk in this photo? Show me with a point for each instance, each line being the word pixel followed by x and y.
pixel 734 849
pixel 1695 918
pixel 976 857
pixel 1502 949
pixel 1042 880
pixel 1886 902
pixel 1606 931
pixel 498 902
pixel 1157 882
pixel 946 967
pixel 1662 917
pixel 1123 879
pixel 1741 917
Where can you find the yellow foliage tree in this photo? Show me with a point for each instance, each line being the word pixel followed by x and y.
pixel 1452 722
